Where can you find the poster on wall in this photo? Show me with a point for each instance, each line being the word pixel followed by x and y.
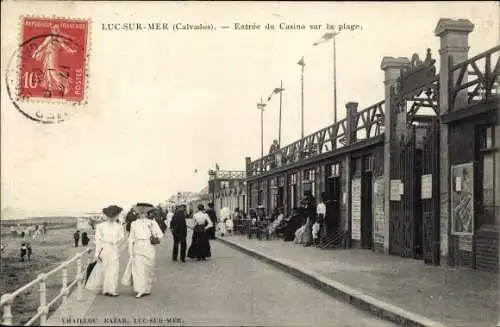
pixel 356 209
pixel 395 190
pixel 462 199
pixel 378 210
pixel 426 189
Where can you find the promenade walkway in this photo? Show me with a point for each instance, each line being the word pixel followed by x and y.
pixel 444 295
pixel 229 289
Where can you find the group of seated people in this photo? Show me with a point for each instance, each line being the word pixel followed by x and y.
pixel 286 226
pixel 277 224
pixel 308 224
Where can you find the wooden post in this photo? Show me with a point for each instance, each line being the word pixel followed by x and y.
pixel 79 275
pixel 43 299
pixel 64 283
pixel 7 312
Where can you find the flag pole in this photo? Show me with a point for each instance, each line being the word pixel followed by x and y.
pixel 261 107
pixel 302 99
pixel 281 99
pixel 261 131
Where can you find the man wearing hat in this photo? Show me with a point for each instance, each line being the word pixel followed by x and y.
pixel 213 217
pixel 108 237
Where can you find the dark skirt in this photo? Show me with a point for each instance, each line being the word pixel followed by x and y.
pixel 200 246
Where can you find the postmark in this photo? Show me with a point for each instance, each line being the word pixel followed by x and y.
pixel 47 76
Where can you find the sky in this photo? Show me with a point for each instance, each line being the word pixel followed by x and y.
pixel 165 104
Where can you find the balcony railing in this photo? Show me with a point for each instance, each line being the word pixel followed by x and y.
pixel 366 124
pixel 8 299
pixel 227 174
pixel 477 80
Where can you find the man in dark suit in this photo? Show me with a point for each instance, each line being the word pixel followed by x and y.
pixel 179 232
pixel 213 217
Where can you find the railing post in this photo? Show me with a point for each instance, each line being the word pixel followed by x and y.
pixel 7 312
pixel 79 276
pixel 42 309
pixel 64 289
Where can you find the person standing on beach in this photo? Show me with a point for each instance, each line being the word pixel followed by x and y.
pixel 76 237
pixel 23 251
pixel 29 251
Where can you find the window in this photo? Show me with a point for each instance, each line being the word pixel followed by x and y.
pixel 334 170
pixel 273 183
pixel 487 211
pixel 487 137
pixel 356 166
pixel 368 163
pixel 310 180
pixel 292 189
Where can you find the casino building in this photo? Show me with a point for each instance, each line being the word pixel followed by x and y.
pixel 414 175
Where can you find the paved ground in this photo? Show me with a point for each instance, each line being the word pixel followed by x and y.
pixel 452 296
pixel 228 289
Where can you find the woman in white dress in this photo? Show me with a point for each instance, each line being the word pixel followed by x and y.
pixel 108 237
pixel 226 222
pixel 140 268
pixel 276 222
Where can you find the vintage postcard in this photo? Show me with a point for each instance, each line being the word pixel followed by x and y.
pixel 250 163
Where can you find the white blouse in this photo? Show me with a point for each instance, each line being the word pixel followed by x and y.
pixel 108 234
pixel 321 209
pixel 143 228
pixel 200 218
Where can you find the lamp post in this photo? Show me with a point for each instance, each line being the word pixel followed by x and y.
pixel 261 106
pixel 302 64
pixel 324 38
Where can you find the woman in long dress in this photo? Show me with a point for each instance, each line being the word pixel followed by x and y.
pixel 276 222
pixel 140 269
pixel 108 237
pixel 200 246
pixel 225 223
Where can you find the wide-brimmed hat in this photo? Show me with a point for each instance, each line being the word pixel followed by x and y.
pixel 112 211
pixel 143 208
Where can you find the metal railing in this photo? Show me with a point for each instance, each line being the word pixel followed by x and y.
pixel 7 300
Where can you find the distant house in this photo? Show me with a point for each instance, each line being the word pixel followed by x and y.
pixel 88 221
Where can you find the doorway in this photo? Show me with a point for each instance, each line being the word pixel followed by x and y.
pixel 279 197
pixel 333 194
pixel 366 203
pixel 292 192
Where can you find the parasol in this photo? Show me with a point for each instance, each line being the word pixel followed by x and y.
pixel 91 267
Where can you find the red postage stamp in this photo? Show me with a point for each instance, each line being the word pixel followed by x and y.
pixel 53 59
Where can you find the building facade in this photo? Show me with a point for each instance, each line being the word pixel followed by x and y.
pixel 415 175
pixel 227 189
